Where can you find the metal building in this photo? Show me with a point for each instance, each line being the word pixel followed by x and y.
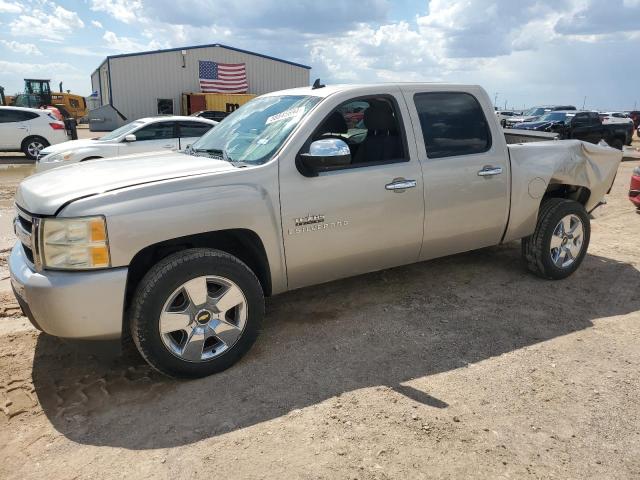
pixel 137 85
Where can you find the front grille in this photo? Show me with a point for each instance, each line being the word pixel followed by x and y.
pixel 24 232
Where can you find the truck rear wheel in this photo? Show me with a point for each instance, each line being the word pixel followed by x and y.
pixel 196 313
pixel 560 241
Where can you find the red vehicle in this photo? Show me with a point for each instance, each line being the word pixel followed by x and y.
pixel 634 188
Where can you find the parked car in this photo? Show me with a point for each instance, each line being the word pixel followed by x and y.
pixel 535 112
pixel 615 117
pixel 634 188
pixel 581 125
pixel 215 115
pixel 177 251
pixel 503 115
pixel 635 116
pixel 144 135
pixel 29 130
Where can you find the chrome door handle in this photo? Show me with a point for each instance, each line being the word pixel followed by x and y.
pixel 489 171
pixel 400 184
pixel 168 146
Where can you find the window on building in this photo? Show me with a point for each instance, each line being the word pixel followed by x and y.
pixel 452 124
pixel 165 106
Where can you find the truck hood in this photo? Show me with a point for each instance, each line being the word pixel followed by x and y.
pixel 72 145
pixel 44 193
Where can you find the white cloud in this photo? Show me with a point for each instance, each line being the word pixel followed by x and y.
pixel 51 26
pixel 21 68
pixel 127 11
pixel 128 44
pixel 21 48
pixel 10 7
pixel 96 24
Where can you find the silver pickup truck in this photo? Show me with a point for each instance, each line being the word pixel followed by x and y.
pixel 177 250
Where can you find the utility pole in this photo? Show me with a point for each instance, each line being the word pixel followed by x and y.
pixel 495 100
pixel 584 102
pixel 505 104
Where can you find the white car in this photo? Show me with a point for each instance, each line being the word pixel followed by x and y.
pixel 615 117
pixel 144 135
pixel 503 115
pixel 29 130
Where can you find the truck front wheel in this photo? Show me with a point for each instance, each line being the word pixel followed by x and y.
pixel 560 241
pixel 196 312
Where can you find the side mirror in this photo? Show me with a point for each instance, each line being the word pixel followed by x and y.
pixel 130 138
pixel 324 154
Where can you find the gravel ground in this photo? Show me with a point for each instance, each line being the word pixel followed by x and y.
pixel 462 367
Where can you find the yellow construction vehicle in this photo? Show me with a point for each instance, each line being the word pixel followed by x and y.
pixel 37 93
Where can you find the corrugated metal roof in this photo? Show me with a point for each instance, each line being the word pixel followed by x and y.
pixel 193 47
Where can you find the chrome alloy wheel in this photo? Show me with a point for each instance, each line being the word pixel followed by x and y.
pixel 34 148
pixel 566 241
pixel 203 318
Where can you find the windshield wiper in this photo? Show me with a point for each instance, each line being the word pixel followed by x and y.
pixel 218 154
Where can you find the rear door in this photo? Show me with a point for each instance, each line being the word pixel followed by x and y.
pixel 465 170
pixel 155 136
pixel 14 128
pixel 581 127
pixel 189 131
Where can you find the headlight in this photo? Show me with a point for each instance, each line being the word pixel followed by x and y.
pixel 75 243
pixel 56 157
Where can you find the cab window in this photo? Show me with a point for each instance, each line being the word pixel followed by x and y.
pixel 371 127
pixel 156 131
pixel 452 123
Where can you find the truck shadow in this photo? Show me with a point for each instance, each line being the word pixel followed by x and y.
pixel 379 329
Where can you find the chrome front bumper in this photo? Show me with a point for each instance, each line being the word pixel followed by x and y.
pixel 70 304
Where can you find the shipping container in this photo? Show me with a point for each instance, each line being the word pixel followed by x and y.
pixel 219 102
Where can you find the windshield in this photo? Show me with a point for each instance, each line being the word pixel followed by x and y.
pixel 534 112
pixel 125 129
pixel 553 117
pixel 256 130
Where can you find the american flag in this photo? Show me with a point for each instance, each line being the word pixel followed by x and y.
pixel 222 77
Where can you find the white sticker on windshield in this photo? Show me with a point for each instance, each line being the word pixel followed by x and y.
pixel 292 112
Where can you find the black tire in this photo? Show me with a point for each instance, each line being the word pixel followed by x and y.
pixel 617 143
pixel 168 275
pixel 28 146
pixel 536 248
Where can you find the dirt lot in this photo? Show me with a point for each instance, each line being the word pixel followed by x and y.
pixel 463 367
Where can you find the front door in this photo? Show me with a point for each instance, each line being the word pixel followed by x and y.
pixel 155 136
pixel 353 219
pixel 465 170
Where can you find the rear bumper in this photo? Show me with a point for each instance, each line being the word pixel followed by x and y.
pixel 87 305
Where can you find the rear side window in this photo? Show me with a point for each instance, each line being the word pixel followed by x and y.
pixel 10 116
pixel 193 129
pixel 453 124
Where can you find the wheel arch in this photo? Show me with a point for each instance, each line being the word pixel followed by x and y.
pixel 244 244
pixel 31 137
pixel 564 190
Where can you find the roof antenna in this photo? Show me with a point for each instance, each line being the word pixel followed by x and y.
pixel 317 84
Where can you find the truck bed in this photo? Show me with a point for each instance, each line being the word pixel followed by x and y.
pixel 526 136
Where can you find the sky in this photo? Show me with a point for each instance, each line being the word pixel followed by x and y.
pixel 523 52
